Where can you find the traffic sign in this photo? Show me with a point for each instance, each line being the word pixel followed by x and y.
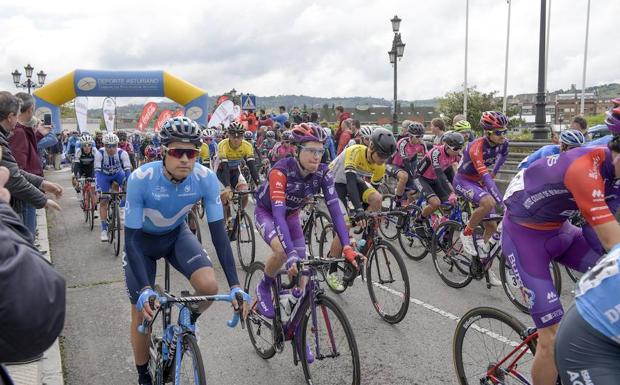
pixel 248 102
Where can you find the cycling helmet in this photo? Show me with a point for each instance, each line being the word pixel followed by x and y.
pixel 219 134
pixel 406 123
pixel 180 129
pixel 86 138
pixel 491 120
pixel 236 128
pixel 270 134
pixel 248 135
pixel 110 138
pixel 415 128
pixel 366 132
pixel 122 135
pixel 149 136
pixel 208 133
pixel 572 138
pixel 383 142
pixel 453 139
pixel 287 135
pixel 307 132
pixel 613 118
pixel 462 125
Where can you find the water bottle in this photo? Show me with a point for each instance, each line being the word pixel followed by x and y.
pixel 360 245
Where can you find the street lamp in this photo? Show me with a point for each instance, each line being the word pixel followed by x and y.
pixel 397 51
pixel 541 131
pixel 28 84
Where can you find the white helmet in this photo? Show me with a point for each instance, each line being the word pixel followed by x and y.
pixel 110 138
pixel 406 123
pixel 366 131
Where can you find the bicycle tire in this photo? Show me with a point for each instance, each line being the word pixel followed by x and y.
pixel 443 242
pixel 111 220
pixel 373 260
pixel 191 349
pixel 191 219
pixel 327 236
pixel 574 275
pixel 315 229
pixel 201 209
pixel 327 303
pixel 464 325
pixel 92 208
pixel 85 205
pixel 117 219
pixel 509 282
pixel 407 236
pixel 387 226
pixel 245 260
pixel 253 322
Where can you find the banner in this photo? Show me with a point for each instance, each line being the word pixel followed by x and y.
pixel 224 114
pixel 179 112
pixel 221 100
pixel 147 113
pixel 165 115
pixel 81 112
pixel 109 113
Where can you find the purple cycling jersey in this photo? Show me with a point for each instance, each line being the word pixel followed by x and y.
pixel 480 155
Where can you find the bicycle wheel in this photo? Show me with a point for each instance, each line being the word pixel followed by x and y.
pixel 111 220
pixel 574 275
pixel 388 282
pixel 192 370
pixel 315 230
pixel 450 262
pixel 327 236
pixel 85 205
pixel 156 367
pixel 93 209
pixel 513 287
pixel 483 338
pixel 259 329
pixel 194 225
pixel 201 209
pixel 388 223
pixel 327 335
pixel 413 245
pixel 117 225
pixel 245 242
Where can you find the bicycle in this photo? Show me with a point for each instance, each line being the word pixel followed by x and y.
pixel 502 358
pixel 89 200
pixel 193 223
pixel 242 231
pixel 168 351
pixel 379 271
pixel 309 323
pixel 114 219
pixel 313 221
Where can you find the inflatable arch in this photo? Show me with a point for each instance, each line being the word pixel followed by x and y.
pixel 120 83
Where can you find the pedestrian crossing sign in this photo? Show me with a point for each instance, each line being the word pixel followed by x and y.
pixel 248 102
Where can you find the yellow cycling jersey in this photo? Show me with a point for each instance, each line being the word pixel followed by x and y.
pixel 204 152
pixel 234 155
pixel 353 159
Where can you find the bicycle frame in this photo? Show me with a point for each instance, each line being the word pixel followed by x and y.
pixel 512 367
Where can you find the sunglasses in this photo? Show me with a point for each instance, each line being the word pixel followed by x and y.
pixel 235 135
pixel 286 142
pixel 87 145
pixel 317 152
pixel 455 149
pixel 178 153
pixel 500 132
pixel 416 136
pixel 110 146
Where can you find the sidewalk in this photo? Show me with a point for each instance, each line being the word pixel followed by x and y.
pixel 48 370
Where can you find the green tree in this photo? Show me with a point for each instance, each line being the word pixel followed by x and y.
pixel 593 120
pixel 477 102
pixel 67 110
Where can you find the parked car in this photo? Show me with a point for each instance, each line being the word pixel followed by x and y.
pixel 598 131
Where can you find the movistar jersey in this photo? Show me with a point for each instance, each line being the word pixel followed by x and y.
pixel 544 151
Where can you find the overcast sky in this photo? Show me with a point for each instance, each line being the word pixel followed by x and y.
pixel 321 48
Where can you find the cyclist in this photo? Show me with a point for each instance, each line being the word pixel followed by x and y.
pixel 284 149
pixel 280 198
pixel 587 346
pixel 205 151
pixel 330 148
pixel 569 139
pixel 363 136
pixel 111 165
pixel 148 140
pixel 403 164
pixel 159 195
pixel 83 164
pixel 123 144
pixel 267 144
pixel 464 128
pixel 434 172
pixel 475 183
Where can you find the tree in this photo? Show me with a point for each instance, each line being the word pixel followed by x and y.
pixel 477 102
pixel 593 120
pixel 67 110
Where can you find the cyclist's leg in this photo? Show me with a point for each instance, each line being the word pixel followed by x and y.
pixel 580 255
pixel 433 201
pixel 529 252
pixel 584 355
pixel 480 197
pixel 106 182
pixel 335 249
pixel 370 196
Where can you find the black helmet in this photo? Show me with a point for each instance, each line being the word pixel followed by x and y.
pixel 122 135
pixel 383 142
pixel 180 129
pixel 236 128
pixel 453 139
pixel 415 128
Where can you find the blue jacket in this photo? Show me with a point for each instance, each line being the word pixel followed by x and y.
pixel 550 149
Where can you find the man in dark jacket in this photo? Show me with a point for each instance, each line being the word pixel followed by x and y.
pixel 22 185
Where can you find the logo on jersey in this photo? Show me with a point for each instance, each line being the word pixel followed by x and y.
pixel 613 314
pixel 597 194
pixel 143 174
pixel 552 159
pixel 187 188
pixel 577 377
pixel 548 317
pixel 551 297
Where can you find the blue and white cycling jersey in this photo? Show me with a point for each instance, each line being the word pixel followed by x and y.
pixel 600 141
pixel 156 205
pixel 110 165
pixel 550 149
pixel 598 296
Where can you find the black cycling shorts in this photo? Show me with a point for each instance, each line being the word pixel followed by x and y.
pixel 584 355
pixel 431 188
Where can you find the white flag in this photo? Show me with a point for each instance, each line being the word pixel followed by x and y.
pixel 81 110
pixel 109 112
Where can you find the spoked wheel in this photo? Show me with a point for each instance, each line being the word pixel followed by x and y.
pixel 156 367
pixel 93 209
pixel 245 244
pixel 111 221
pixel 574 275
pixel 388 226
pixel 85 205
pixel 201 209
pixel 117 225
pixel 192 368
pixel 411 238
pixel 313 237
pixel 388 282
pixel 259 328
pixel 483 338
pixel 449 259
pixel 520 296
pixel 327 236
pixel 329 344
pixel 194 225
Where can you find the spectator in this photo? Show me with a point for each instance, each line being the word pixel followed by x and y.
pixel 458 118
pixel 32 295
pixel 580 124
pixel 341 116
pixel 296 116
pixel 438 127
pixel 264 119
pixel 56 151
pixel 404 129
pixel 555 137
pixel 22 185
pixel 251 121
pixel 314 117
pixel 282 118
pixel 349 129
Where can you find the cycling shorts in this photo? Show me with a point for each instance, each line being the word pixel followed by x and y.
pixel 432 188
pixel 106 181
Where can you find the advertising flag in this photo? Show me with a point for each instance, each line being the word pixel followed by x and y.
pixel 147 113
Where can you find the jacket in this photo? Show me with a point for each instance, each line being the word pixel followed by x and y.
pixel 23 145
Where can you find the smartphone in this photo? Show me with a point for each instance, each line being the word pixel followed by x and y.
pixel 47 119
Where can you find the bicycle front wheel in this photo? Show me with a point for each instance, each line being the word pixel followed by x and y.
pixel 485 337
pixel 449 259
pixel 192 370
pixel 327 237
pixel 388 223
pixel 414 246
pixel 388 282
pixel 328 342
pixel 245 243
pixel 117 219
pixel 92 206
pixel 260 330
pixel 194 226
pixel 321 220
pixel 111 220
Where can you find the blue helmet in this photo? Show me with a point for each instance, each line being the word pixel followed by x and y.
pixel 572 138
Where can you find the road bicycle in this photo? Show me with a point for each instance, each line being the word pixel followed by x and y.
pixel 313 221
pixel 114 218
pixel 241 230
pixel 89 200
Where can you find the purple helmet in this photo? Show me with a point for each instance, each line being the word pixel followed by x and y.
pixel 308 132
pixel 613 118
pixel 492 120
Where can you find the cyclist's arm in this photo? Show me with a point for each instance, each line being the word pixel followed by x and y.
pixel 126 163
pixel 333 206
pixel 476 154
pixel 352 189
pixel 253 172
pixel 75 166
pixel 277 193
pixel 442 178
pixel 215 218
pixel 97 164
pixel 501 159
pixel 135 257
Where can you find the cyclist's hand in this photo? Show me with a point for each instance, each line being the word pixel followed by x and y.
pixel 246 301
pixel 54 188
pixel 227 195
pixel 291 265
pixel 452 199
pixel 350 254
pixel 360 218
pixel 144 305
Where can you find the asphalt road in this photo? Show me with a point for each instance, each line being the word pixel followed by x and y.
pixel 95 340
